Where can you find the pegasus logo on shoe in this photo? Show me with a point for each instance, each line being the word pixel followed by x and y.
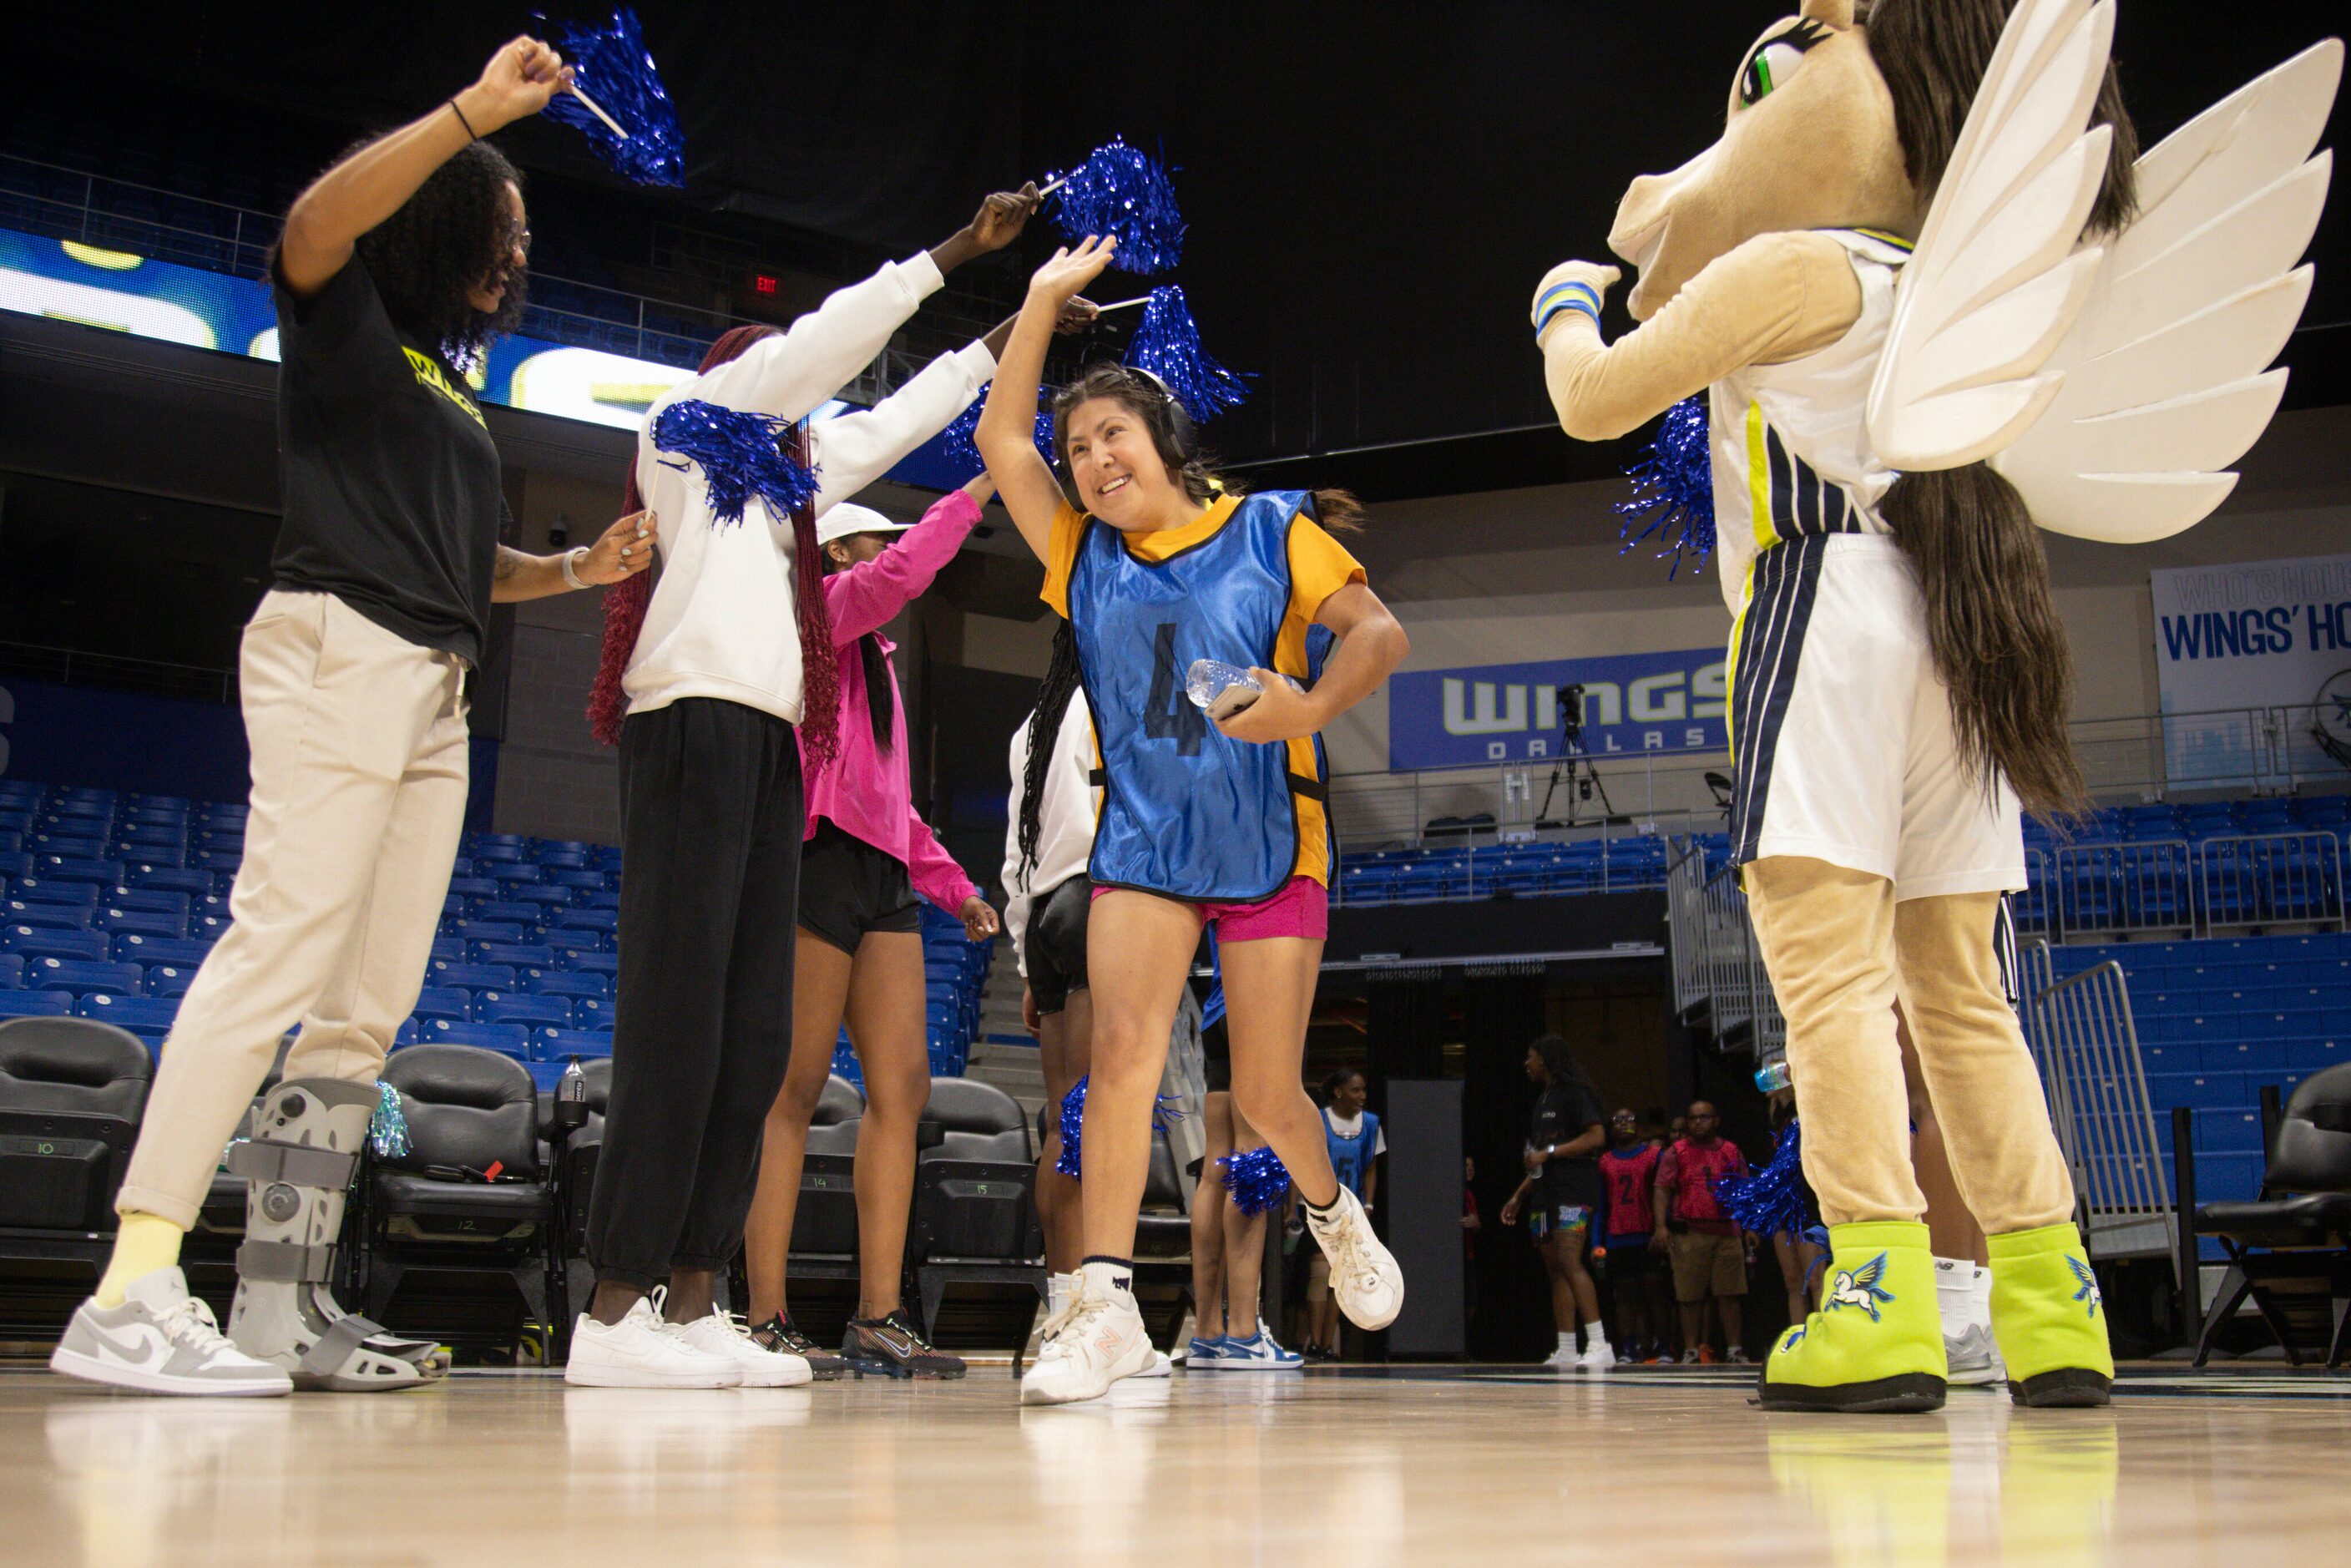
pixel 2089 1292
pixel 1859 1287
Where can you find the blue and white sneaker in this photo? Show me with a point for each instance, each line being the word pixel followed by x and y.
pixel 1202 1354
pixel 1258 1352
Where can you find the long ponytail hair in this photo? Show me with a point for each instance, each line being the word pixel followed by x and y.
pixel 1991 620
pixel 881 698
pixel 625 604
pixel 1044 733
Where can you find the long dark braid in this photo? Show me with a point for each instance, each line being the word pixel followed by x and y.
pixel 1044 733
pixel 880 699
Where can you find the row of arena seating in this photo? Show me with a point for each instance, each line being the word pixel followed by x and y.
pixel 2218 1019
pixel 1407 873
pixel 493 1180
pixel 108 903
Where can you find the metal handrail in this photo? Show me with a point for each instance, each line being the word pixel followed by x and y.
pixel 2085 1043
pixel 2296 878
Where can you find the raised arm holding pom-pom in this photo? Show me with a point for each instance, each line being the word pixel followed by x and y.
pixel 1006 437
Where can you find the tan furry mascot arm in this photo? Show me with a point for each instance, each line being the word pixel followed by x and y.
pixel 1775 297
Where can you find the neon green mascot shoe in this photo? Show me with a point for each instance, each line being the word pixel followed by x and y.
pixel 2050 1319
pixel 1876 1343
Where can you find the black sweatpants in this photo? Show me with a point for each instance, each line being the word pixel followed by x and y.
pixel 712 813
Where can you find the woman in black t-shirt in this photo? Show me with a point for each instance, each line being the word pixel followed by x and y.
pixel 396 268
pixel 1562 1192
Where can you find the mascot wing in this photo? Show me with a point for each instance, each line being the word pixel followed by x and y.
pixel 2164 377
pixel 1998 278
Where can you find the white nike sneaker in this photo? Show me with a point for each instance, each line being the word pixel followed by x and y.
pixel 160 1340
pixel 637 1352
pixel 1363 1273
pixel 1562 1359
pixel 1598 1356
pixel 725 1334
pixel 1258 1352
pixel 1091 1343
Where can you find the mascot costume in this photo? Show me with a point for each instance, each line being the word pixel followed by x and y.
pixel 1933 297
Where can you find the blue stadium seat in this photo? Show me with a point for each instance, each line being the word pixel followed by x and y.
pixel 565 983
pixel 36 1004
pixel 443 1002
pixel 149 1018
pixel 42 890
pixel 76 868
pixel 512 953
pixel 505 1039
pixel 545 899
pixel 513 872
pixel 168 979
pixel 592 1012
pixel 12 972
pixel 82 977
pixel 153 901
pixel 493 930
pixel 34 942
pixel 579 877
pixel 606 964
pixel 448 950
pixel 473 977
pixel 557 1045
pixel 142 923
pixel 526 1010
pixel 473 887
pixel 47 917
pixel 154 874
pixel 606 921
pixel 506 911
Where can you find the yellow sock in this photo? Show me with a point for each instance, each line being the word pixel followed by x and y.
pixel 145 1243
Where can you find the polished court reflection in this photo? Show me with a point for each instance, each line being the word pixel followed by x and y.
pixel 1353 1468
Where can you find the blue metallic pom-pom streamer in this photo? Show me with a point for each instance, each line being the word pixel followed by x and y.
pixel 962 448
pixel 611 66
pixel 741 456
pixel 1774 1201
pixel 1257 1179
pixel 1164 1113
pixel 388 1128
pixel 1673 489
pixel 1167 344
pixel 1120 191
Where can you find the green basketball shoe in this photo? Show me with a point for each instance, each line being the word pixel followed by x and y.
pixel 1876 1343
pixel 2050 1319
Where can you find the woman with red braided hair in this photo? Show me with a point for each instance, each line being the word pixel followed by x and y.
pixel 715 678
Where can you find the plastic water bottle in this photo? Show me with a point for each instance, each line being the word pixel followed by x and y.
pixel 572 1099
pixel 1772 1079
pixel 1209 679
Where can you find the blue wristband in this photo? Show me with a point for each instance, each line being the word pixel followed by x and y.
pixel 1569 296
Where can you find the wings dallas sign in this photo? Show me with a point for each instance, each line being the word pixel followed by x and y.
pixel 1633 703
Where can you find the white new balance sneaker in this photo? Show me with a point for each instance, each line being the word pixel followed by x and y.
pixel 1973 1356
pixel 160 1340
pixel 1363 1273
pixel 1598 1356
pixel 1562 1359
pixel 1089 1344
pixel 639 1352
pixel 724 1334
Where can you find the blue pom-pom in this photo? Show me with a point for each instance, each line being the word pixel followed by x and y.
pixel 963 450
pixel 611 66
pixel 741 456
pixel 1774 1201
pixel 1164 1110
pixel 1673 489
pixel 388 1128
pixel 1167 344
pixel 1122 191
pixel 1257 1179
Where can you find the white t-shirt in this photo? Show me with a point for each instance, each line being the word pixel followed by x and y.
pixel 721 621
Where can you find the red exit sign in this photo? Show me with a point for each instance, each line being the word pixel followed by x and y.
pixel 763 282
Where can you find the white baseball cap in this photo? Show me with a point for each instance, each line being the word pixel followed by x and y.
pixel 849 519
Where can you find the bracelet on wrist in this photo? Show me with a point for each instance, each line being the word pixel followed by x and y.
pixel 571 562
pixel 471 133
pixel 1569 296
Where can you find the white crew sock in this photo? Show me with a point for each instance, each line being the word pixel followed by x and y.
pixel 1110 1278
pixel 1567 1340
pixel 1954 1295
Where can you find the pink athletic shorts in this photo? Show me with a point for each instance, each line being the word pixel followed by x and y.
pixel 1302 908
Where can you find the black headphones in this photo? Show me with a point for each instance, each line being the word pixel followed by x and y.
pixel 1179 418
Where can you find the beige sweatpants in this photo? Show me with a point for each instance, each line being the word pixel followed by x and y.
pixel 359 749
pixel 1839 951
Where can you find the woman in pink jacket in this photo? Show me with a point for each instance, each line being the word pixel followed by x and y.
pixel 859 953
